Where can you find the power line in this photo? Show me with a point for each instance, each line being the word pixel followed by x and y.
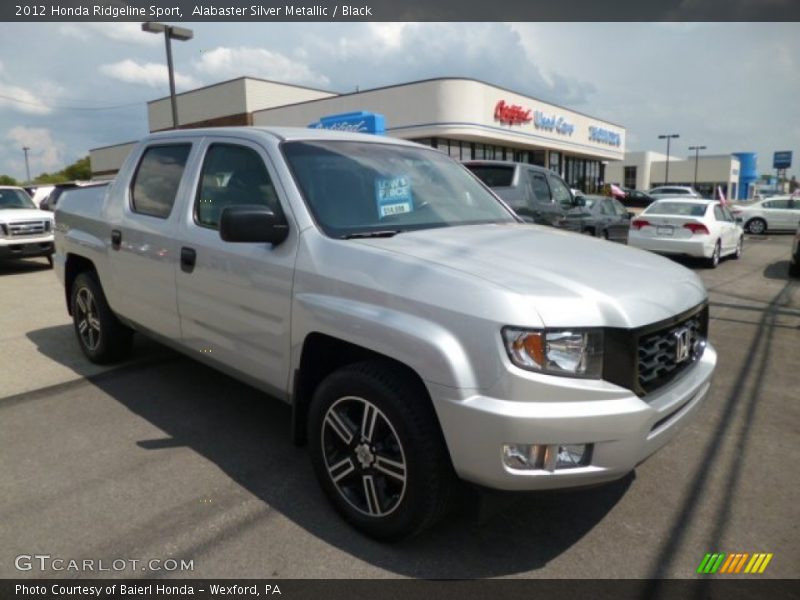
pixel 62 107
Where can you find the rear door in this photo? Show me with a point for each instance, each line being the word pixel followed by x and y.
pixel 618 229
pixel 727 228
pixel 143 226
pixel 235 298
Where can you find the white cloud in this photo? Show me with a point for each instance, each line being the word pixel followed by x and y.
pixel 24 100
pixel 46 154
pixel 119 32
pixel 224 63
pixel 151 74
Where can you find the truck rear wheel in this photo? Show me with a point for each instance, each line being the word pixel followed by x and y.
pixel 378 452
pixel 100 334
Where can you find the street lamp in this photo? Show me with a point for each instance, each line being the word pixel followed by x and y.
pixel 696 160
pixel 170 33
pixel 25 149
pixel 668 137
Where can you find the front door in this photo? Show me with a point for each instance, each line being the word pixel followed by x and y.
pixel 234 298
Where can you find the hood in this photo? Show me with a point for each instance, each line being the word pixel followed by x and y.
pixel 570 279
pixel 10 215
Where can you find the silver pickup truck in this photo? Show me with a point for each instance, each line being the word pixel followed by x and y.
pixel 421 332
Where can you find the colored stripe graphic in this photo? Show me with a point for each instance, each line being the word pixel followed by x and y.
pixel 733 563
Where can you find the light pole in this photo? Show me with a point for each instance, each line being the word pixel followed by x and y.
pixel 696 160
pixel 25 149
pixel 668 137
pixel 170 33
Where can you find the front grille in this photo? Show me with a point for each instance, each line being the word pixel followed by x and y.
pixel 646 358
pixel 24 228
pixel 663 354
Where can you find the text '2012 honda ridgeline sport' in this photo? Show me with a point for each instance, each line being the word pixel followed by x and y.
pixel 421 332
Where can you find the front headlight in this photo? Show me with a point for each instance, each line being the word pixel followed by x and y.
pixel 570 352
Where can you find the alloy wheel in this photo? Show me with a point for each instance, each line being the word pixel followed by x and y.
pixel 87 319
pixel 363 456
pixel 756 226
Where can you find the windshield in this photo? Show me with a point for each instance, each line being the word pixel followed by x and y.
pixel 11 198
pixel 360 188
pixel 683 209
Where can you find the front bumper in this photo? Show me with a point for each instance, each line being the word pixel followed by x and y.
pixel 623 428
pixel 27 249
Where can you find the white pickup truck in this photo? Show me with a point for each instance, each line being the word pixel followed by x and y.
pixel 25 231
pixel 421 332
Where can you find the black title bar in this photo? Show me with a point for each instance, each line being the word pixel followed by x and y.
pixel 399 10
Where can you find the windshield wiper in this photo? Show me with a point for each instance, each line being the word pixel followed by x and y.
pixel 372 234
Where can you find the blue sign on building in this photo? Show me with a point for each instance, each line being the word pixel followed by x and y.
pixel 357 122
pixel 782 160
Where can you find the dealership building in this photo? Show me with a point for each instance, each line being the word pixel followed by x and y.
pixel 466 118
pixel 735 174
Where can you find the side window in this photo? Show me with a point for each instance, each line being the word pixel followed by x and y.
pixel 561 193
pixel 718 214
pixel 157 178
pixel 728 214
pixel 619 208
pixel 232 175
pixel 538 183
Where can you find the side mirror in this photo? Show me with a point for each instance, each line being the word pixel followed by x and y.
pixel 579 201
pixel 248 223
pixel 739 220
pixel 630 215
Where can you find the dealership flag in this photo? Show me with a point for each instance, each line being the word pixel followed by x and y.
pixel 721 196
pixel 616 192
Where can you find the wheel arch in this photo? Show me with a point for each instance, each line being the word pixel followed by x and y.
pixel 74 265
pixel 322 355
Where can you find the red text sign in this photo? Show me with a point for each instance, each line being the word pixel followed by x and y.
pixel 511 114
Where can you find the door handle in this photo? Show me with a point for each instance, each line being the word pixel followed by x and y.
pixel 188 259
pixel 116 238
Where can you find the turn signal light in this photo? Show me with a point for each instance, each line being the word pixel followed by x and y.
pixel 696 228
pixel 639 223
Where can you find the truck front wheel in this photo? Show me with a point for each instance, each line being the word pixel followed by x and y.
pixel 378 452
pixel 101 336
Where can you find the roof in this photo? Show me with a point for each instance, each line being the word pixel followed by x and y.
pixel 281 133
pixel 211 85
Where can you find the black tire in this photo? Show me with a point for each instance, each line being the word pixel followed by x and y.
pixel 49 258
pixel 738 253
pixel 605 234
pixel 589 231
pixel 756 226
pixel 100 334
pixel 392 478
pixel 713 262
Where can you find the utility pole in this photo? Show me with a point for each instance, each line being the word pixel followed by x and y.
pixel 25 149
pixel 668 137
pixel 696 160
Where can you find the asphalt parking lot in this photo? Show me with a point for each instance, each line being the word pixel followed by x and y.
pixel 164 458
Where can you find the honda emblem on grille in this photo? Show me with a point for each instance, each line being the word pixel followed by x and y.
pixel 683 346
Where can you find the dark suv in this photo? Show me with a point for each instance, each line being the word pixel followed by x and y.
pixel 535 193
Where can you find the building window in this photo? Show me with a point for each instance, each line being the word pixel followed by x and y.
pixel 629 177
pixel 554 160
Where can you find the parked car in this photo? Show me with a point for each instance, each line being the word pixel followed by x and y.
pixel 40 194
pixel 673 191
pixel 794 262
pixel 25 231
pixel 536 194
pixel 599 216
pixel 418 328
pixel 49 203
pixel 697 227
pixel 779 213
pixel 636 199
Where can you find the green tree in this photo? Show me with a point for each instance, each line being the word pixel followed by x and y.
pixel 8 180
pixel 79 170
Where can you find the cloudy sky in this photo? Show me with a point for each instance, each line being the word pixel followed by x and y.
pixel 66 88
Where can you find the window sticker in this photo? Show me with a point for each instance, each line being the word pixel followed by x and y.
pixel 393 196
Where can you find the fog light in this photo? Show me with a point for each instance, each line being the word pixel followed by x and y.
pixel 531 457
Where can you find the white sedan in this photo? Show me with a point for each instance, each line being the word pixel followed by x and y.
pixel 691 227
pixel 778 213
